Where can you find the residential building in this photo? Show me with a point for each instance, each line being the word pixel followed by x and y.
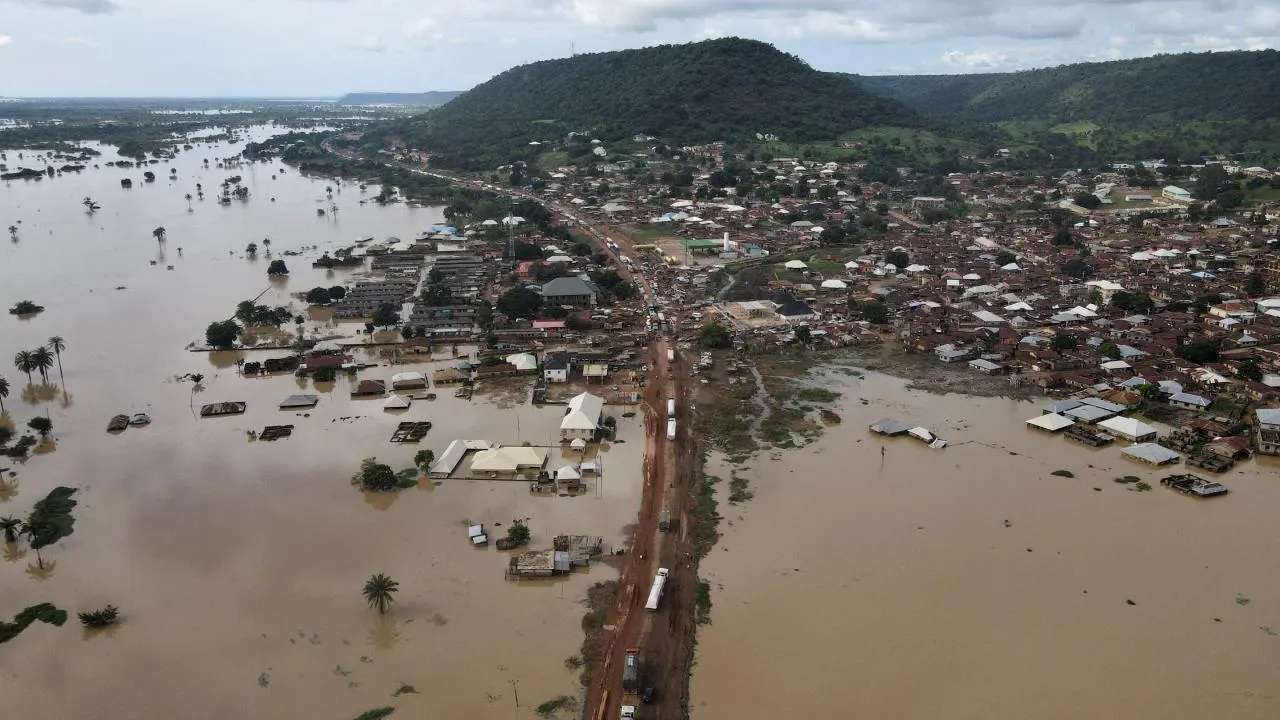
pixel 1268 430
pixel 1176 194
pixel 570 291
pixel 555 368
pixel 582 419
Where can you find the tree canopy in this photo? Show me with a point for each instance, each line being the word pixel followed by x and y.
pixel 223 335
pixel 519 303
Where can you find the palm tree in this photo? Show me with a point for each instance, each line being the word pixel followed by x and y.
pixel 10 526
pixel 4 393
pixel 378 591
pixel 57 345
pixel 25 363
pixel 159 233
pixel 188 201
pixel 43 360
pixel 13 232
pixel 90 204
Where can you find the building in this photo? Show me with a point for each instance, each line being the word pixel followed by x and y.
pixel 570 291
pixel 1176 194
pixel 1189 401
pixel 928 203
pixel 582 419
pixel 508 460
pixel 1128 429
pixel 555 368
pixel 1268 430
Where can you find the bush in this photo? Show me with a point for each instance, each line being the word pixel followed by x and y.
pixel 375 477
pixel 108 615
pixel 42 425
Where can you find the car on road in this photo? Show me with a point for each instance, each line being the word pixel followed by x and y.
pixel 649 695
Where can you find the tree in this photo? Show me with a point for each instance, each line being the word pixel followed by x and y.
pixel 1004 257
pixel 103 617
pixel 1249 370
pixel 188 196
pixel 223 335
pixel 4 393
pixel 375 477
pixel 251 249
pixel 57 345
pixel 1255 284
pixel 1077 268
pixel 518 534
pixel 1064 341
pixel 803 335
pixel 379 591
pixel 1063 237
pixel 13 233
pixel 1199 351
pixel 337 292
pixel 43 360
pixel 42 425
pixel 423 459
pixel 519 303
pixel 876 313
pixel 1109 349
pixel 277 268
pixel 50 520
pixel 318 296
pixel 385 315
pixel 715 336
pixel 10 527
pixel 1087 200
pixel 897 258
pixel 25 363
pixel 159 234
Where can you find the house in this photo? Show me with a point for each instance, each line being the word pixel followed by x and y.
pixel 408 380
pixel 1128 429
pixel 508 460
pixel 1268 430
pixel 1176 194
pixel 582 419
pixel 570 291
pixel 555 368
pixel 1189 401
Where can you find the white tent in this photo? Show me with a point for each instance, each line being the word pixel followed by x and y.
pixel 916 268
pixel 795 265
pixel 834 285
pixel 396 402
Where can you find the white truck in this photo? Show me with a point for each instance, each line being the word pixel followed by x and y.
pixel 628 712
pixel 671 408
pixel 671 355
pixel 671 429
pixel 655 594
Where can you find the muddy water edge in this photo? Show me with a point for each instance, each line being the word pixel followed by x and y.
pixel 237 564
pixel 970 582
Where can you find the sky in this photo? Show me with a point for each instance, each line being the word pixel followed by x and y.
pixel 324 48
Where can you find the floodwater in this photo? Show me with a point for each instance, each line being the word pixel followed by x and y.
pixel 971 583
pixel 238 564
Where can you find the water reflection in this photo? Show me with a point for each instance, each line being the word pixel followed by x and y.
pixel 380 500
pixel 8 489
pixel 385 633
pixel 13 552
pixel 108 631
pixel 41 572
pixel 223 359
pixel 35 394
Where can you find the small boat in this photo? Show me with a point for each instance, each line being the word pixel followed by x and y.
pixel 140 419
pixel 118 423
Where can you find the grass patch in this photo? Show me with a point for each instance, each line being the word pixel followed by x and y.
pixel 1063 473
pixel 377 714
pixel 407 478
pixel 1141 487
pixel 405 690
pixel 1128 480
pixel 739 491
pixel 554 705
pixel 702 602
pixel 706 517
pixel 817 394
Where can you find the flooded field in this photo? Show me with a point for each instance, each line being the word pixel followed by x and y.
pixel 238 564
pixel 971 583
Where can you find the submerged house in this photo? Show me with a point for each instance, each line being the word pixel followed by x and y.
pixel 582 419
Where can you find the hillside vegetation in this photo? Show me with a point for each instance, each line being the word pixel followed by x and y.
pixel 1200 86
pixel 433 98
pixel 727 89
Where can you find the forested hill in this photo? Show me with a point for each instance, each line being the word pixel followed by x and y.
pixel 1201 86
pixel 727 89
pixel 425 99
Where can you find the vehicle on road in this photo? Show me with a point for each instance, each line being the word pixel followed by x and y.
pixel 671 429
pixel 631 670
pixel 649 695
pixel 655 594
pixel 628 712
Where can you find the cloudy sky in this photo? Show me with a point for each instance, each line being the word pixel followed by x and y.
pixel 308 48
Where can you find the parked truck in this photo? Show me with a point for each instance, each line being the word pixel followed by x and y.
pixel 655 594
pixel 628 712
pixel 671 355
pixel 671 408
pixel 671 429
pixel 631 670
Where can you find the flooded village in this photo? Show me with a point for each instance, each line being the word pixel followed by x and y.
pixel 948 441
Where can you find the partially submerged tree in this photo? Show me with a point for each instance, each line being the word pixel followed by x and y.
pixel 223 335
pixel 375 477
pixel 50 520
pixel 379 591
pixel 103 617
pixel 423 459
pixel 42 425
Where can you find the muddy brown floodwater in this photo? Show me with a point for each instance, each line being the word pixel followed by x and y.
pixel 971 583
pixel 238 565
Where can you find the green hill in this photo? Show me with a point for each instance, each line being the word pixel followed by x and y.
pixel 425 99
pixel 727 89
pixel 1196 86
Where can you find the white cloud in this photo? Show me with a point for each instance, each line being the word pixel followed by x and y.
pixel 91 7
